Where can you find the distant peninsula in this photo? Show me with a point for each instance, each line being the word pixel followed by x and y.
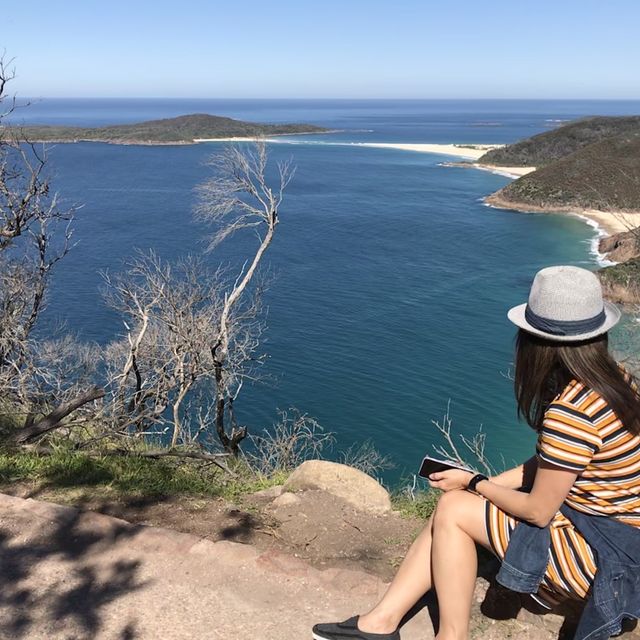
pixel 186 129
pixel 602 176
pixel 545 148
pixel 589 167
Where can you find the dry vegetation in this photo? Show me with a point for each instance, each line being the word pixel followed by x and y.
pixel 153 411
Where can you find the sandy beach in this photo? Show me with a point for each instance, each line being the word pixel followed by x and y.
pixel 468 151
pixel 471 151
pixel 611 222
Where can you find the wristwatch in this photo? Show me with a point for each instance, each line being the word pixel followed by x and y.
pixel 474 481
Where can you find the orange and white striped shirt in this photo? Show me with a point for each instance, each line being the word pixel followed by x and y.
pixel 580 432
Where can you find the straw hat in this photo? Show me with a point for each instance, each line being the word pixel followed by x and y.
pixel 566 305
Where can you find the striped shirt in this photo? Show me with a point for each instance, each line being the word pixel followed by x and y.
pixel 580 432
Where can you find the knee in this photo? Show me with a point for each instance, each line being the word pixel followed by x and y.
pixel 450 508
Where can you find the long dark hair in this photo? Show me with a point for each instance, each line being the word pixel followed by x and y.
pixel 543 368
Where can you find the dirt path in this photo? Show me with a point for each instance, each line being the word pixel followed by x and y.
pixel 79 575
pixel 76 575
pixel 312 525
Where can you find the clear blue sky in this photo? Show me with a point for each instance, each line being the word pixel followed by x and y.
pixel 330 49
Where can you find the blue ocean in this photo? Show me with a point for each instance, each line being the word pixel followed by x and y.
pixel 389 277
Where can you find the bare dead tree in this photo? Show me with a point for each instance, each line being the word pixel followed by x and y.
pixel 238 197
pixel 170 317
pixel 191 335
pixel 38 379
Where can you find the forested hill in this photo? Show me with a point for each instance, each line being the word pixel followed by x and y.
pixel 547 147
pixel 180 130
pixel 604 175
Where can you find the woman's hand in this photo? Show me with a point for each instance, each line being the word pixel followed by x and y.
pixel 450 479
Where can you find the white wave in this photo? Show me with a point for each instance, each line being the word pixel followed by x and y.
pixel 594 243
pixel 498 172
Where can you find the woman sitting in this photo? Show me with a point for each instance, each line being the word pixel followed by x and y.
pixel 586 411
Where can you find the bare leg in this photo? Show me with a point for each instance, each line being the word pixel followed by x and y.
pixel 411 582
pixel 458 525
pixel 414 577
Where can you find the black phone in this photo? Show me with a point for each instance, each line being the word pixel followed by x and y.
pixel 434 465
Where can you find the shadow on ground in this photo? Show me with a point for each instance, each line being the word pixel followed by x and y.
pixel 34 597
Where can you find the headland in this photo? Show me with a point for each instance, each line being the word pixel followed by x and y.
pixel 187 129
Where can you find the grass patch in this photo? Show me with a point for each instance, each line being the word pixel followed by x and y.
pixel 421 505
pixel 63 469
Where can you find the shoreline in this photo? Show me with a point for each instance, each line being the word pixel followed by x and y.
pixel 458 150
pixel 468 151
pixel 600 227
pixel 170 143
pixel 122 143
pixel 507 172
pixel 471 151
pixel 612 222
pixel 604 223
pixel 270 138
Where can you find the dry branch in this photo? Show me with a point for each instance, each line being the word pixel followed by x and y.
pixel 237 197
pixel 53 419
pixel 214 458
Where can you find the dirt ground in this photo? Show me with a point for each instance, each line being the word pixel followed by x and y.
pixel 311 528
pixel 311 525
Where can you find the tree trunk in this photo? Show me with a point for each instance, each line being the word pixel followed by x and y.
pixel 52 420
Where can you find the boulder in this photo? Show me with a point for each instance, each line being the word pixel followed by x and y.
pixel 352 485
pixel 620 247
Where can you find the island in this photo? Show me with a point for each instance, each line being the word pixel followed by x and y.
pixel 589 167
pixel 187 129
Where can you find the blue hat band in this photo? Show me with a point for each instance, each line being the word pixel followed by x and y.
pixel 564 327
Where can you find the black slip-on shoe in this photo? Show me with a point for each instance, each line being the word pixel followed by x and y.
pixel 348 630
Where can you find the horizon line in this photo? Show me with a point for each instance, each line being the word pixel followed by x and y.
pixel 332 99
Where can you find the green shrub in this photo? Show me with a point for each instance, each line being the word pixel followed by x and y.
pixel 419 505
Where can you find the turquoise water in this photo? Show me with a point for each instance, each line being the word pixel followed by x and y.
pixel 390 278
